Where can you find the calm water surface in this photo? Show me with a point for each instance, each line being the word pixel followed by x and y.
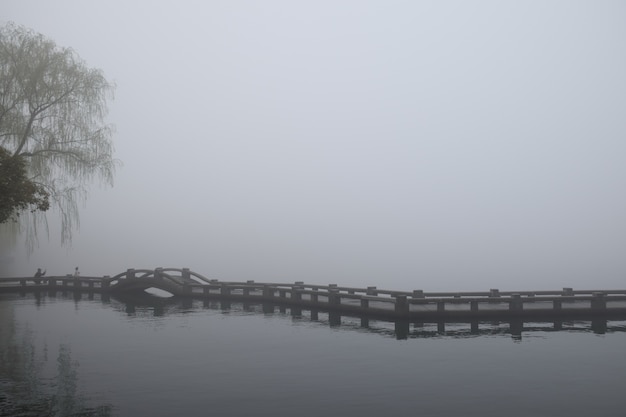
pixel 62 356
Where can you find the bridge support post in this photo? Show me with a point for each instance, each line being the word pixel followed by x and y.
pixel 314 297
pixel 105 283
pixel 401 305
pixel 52 282
pixel 206 290
pixel 473 305
pixel 23 282
pixel 441 306
pixel 186 274
pixel 282 293
pixel 598 301
pixel 130 273
pixel 365 303
pixel 402 328
pixel 474 327
pixel 515 304
pixel 158 273
pixel 186 289
pixel 557 304
pixel 333 297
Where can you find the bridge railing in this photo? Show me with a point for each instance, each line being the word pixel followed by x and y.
pixel 53 281
pixel 182 281
pixel 402 302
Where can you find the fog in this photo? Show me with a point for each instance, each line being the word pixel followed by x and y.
pixel 441 145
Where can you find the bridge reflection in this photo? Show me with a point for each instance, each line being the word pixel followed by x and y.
pixel 141 304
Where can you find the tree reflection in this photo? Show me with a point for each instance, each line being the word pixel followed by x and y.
pixel 24 388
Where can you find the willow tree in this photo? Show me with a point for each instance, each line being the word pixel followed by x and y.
pixel 52 111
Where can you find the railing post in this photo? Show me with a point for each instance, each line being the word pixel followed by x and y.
pixel 314 297
pixel 186 274
pixel 557 305
pixel 225 290
pixel 515 304
pixel 23 282
pixel 334 297
pixel 268 292
pixel 473 305
pixel 206 290
pixel 105 283
pixel 568 291
pixel 365 303
pixel 402 305
pixel 441 306
pixel 418 293
pixel 494 293
pixel 371 291
pixel 296 291
pixel 52 282
pixel 130 273
pixel 246 290
pixel 598 301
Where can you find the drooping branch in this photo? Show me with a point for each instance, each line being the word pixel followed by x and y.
pixel 52 109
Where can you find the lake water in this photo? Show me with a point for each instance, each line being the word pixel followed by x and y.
pixel 147 357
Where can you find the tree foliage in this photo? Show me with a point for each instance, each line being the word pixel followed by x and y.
pixel 17 191
pixel 52 110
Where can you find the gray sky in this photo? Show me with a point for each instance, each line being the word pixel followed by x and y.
pixel 449 145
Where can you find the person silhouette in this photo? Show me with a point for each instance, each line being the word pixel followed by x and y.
pixel 39 274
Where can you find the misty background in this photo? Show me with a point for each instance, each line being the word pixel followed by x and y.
pixel 441 145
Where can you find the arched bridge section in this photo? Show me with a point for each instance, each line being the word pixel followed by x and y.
pixel 172 280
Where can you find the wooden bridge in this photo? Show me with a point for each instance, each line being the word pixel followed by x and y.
pixel 371 302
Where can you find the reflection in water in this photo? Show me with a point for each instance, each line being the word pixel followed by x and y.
pixel 158 357
pixel 25 388
pixel 143 304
